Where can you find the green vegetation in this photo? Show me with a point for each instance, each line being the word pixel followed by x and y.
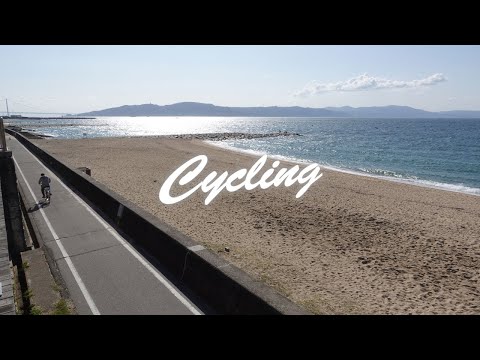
pixel 28 294
pixel 35 310
pixel 61 308
pixel 56 288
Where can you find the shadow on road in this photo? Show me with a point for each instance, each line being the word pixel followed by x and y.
pixel 38 206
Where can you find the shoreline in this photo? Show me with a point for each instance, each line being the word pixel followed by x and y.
pixel 414 182
pixel 349 245
pixel 213 139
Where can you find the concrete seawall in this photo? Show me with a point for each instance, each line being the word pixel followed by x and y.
pixel 225 288
pixel 7 306
pixel 12 207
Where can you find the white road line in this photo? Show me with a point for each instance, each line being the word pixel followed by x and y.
pixel 127 246
pixel 72 268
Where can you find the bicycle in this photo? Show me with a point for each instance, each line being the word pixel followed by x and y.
pixel 47 194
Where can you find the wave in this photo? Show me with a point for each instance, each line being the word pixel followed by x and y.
pixel 374 173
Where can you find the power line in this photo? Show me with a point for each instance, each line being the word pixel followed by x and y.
pixel 26 112
pixel 28 105
pixel 33 107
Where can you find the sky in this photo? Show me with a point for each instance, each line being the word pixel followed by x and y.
pixel 80 78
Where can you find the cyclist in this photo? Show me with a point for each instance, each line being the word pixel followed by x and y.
pixel 44 182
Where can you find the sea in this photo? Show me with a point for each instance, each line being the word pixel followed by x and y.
pixel 439 153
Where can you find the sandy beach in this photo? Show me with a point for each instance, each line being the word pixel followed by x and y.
pixel 350 245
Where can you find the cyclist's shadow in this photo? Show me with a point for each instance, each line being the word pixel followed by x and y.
pixel 39 205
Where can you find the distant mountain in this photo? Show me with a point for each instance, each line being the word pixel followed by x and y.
pixel 200 109
pixel 390 111
pixel 461 114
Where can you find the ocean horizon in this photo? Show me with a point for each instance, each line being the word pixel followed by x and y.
pixel 438 153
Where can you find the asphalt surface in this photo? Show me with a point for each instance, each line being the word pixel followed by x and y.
pixel 102 271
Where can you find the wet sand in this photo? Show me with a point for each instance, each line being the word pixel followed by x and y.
pixel 350 245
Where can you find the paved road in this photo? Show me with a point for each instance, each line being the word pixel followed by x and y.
pixel 103 272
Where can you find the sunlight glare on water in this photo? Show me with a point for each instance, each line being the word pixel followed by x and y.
pixel 437 152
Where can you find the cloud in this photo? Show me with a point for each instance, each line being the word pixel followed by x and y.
pixel 367 82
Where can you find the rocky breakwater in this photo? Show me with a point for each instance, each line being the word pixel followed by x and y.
pixel 229 136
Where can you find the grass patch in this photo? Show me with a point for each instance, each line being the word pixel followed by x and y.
pixel 26 265
pixel 56 287
pixel 36 310
pixel 61 308
pixel 28 294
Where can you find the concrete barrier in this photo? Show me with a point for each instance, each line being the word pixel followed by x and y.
pixel 221 285
pixel 13 211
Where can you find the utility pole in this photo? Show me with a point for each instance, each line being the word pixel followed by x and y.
pixel 6 102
